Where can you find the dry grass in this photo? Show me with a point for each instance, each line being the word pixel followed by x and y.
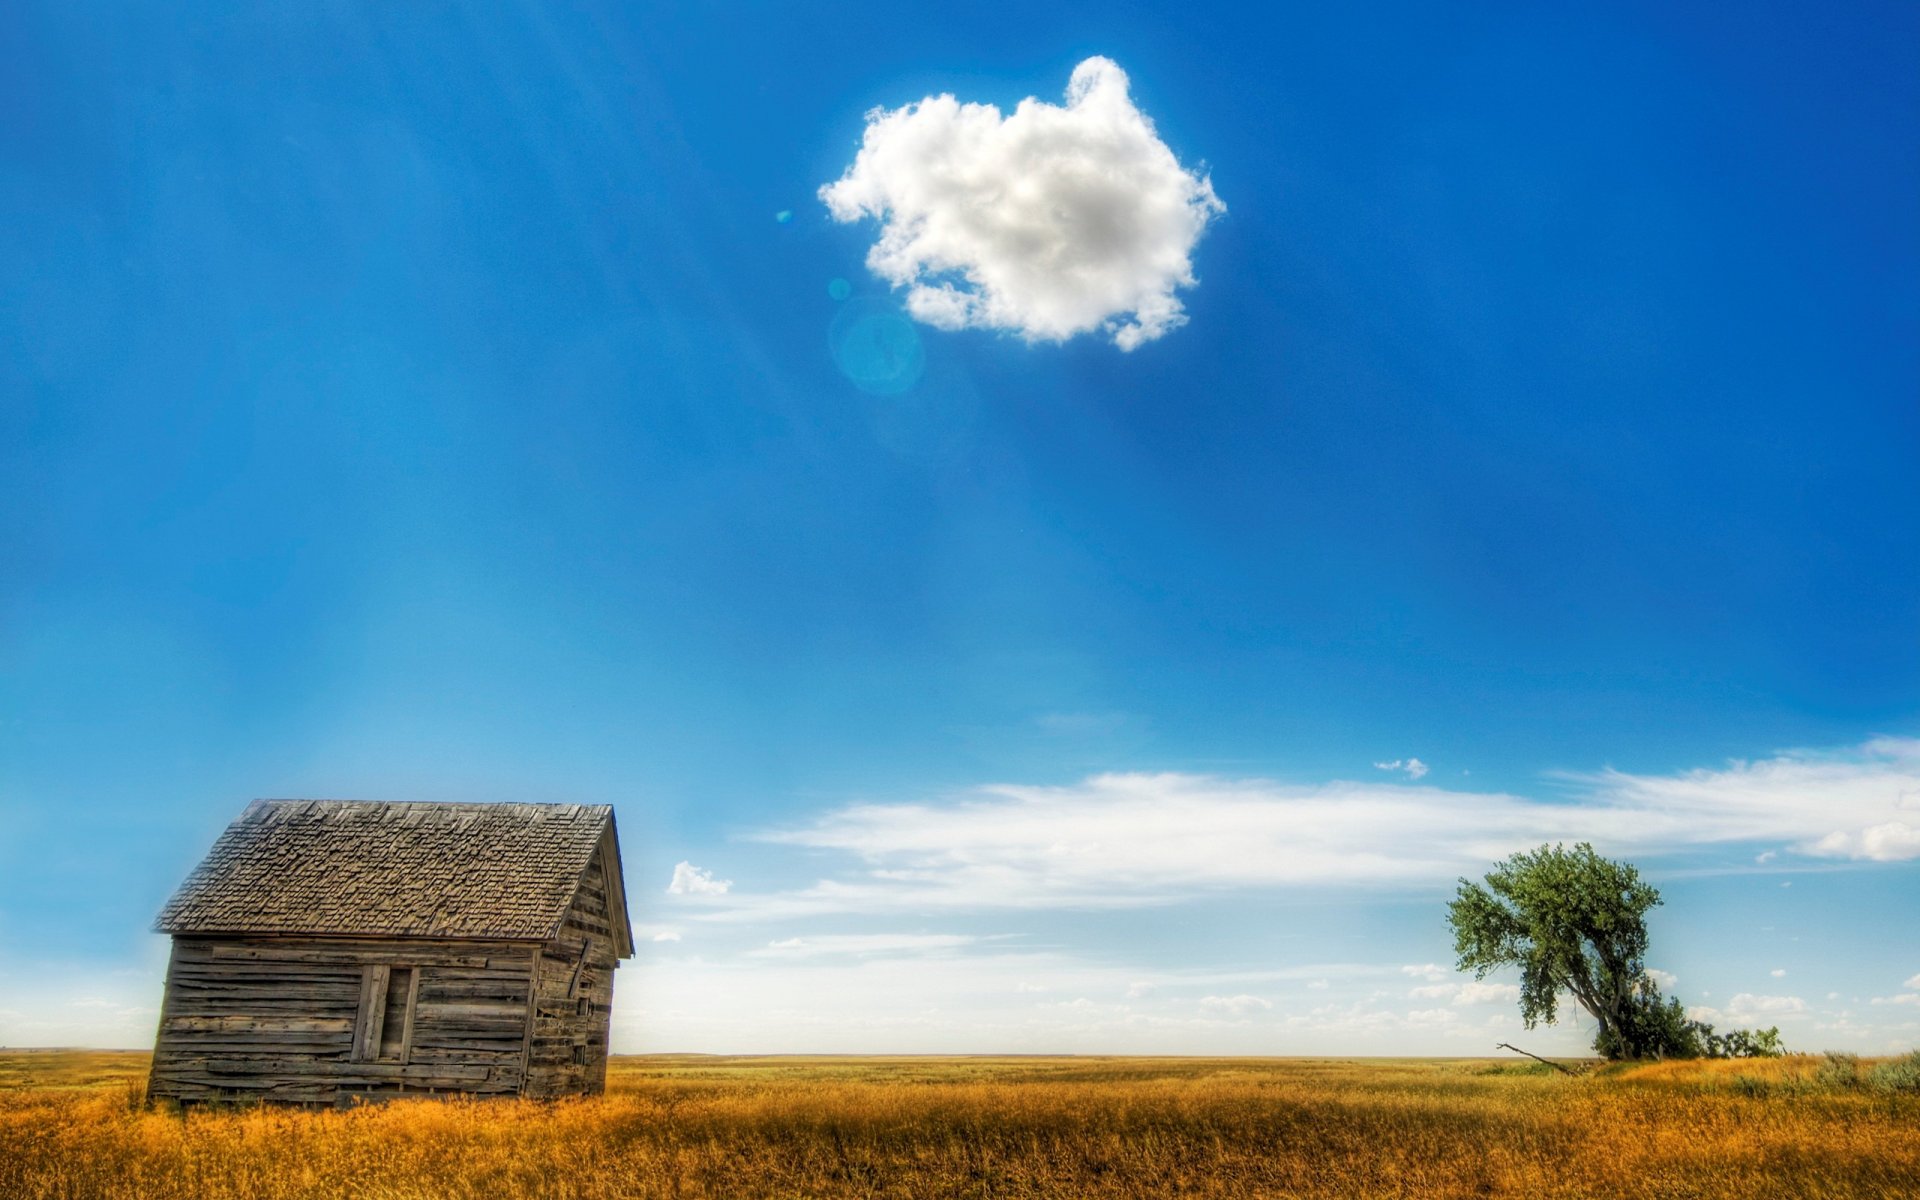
pixel 72 1126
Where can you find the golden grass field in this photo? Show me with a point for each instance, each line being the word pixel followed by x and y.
pixel 73 1125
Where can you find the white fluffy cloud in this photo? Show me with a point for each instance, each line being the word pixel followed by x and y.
pixel 1892 841
pixel 1412 766
pixel 689 880
pixel 1487 993
pixel 1665 979
pixel 1912 983
pixel 1054 221
pixel 1748 1007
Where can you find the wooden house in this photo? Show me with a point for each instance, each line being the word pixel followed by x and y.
pixel 333 949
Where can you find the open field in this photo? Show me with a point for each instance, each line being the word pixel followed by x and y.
pixel 72 1125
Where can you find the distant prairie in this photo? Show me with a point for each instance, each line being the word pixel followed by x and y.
pixel 76 1124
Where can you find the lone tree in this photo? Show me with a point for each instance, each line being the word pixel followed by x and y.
pixel 1574 922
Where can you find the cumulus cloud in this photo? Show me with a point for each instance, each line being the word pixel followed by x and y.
pixel 689 880
pixel 1487 993
pixel 1665 979
pixel 1432 972
pixel 1053 221
pixel 1778 972
pixel 1892 841
pixel 1746 1006
pixel 1912 983
pixel 667 935
pixel 1412 766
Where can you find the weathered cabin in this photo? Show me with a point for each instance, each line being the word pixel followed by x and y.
pixel 327 950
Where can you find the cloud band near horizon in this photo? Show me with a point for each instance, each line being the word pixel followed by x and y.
pixel 1137 839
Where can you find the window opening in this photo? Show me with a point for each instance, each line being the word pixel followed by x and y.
pixel 396 1026
pixel 384 1030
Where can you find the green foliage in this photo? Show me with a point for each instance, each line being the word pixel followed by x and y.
pixel 1574 922
pixel 1571 921
pixel 1838 1070
pixel 1649 1027
pixel 1897 1075
pixel 1743 1043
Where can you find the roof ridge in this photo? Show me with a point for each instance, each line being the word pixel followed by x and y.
pixel 434 803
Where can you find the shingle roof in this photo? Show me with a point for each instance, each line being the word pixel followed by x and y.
pixel 365 868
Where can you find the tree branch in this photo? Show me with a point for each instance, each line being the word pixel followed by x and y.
pixel 1535 1057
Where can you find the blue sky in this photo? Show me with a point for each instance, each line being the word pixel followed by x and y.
pixel 430 402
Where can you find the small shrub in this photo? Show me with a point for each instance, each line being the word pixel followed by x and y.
pixel 1838 1070
pixel 1743 1043
pixel 1752 1088
pixel 1899 1075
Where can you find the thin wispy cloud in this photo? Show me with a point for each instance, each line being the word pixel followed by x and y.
pixel 1238 1006
pixel 1053 221
pixel 1125 840
pixel 864 945
pixel 1844 804
pixel 984 999
pixel 1413 767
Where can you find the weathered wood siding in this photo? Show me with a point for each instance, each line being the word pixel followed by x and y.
pixel 288 1018
pixel 567 1052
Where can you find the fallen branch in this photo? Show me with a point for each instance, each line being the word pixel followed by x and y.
pixel 1535 1057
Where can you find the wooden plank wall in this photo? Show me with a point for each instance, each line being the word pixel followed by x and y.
pixel 277 1019
pixel 567 1052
